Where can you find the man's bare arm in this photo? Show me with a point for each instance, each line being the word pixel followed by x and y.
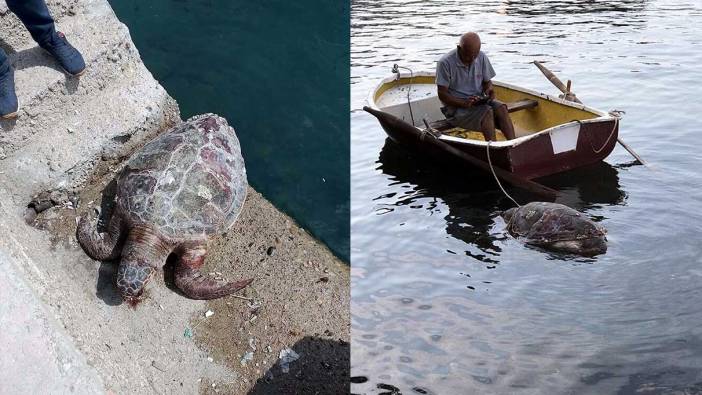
pixel 451 100
pixel 487 88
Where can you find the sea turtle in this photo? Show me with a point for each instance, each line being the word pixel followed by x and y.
pixel 180 188
pixel 556 227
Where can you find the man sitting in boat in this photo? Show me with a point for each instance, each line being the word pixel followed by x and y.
pixel 463 81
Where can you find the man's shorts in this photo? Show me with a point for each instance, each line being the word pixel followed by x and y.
pixel 469 118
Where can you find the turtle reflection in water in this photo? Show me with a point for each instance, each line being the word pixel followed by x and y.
pixel 181 188
pixel 556 227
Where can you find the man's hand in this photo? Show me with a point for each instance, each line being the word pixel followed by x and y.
pixel 490 92
pixel 471 101
pixel 450 100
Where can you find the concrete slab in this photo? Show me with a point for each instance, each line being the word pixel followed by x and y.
pixel 38 357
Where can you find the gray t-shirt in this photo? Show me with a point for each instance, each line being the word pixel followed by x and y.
pixel 463 81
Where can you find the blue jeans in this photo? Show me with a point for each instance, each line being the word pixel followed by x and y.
pixel 36 18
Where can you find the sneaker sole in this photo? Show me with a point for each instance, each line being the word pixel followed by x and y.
pixel 80 73
pixel 10 116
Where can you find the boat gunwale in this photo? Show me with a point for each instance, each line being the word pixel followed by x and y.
pixel 603 116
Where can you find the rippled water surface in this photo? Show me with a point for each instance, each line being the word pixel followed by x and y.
pixel 444 302
pixel 278 71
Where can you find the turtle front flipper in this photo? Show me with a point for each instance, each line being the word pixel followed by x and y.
pixel 196 286
pixel 101 246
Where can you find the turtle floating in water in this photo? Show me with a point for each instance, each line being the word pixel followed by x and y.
pixel 556 227
pixel 182 187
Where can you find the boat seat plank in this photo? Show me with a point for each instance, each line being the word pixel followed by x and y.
pixel 444 124
pixel 521 105
pixel 441 125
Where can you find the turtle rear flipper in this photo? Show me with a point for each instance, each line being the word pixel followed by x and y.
pixel 194 285
pixel 101 246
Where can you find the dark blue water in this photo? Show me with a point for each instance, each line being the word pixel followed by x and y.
pixel 443 301
pixel 278 71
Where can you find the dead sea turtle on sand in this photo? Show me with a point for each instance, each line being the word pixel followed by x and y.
pixel 556 227
pixel 182 187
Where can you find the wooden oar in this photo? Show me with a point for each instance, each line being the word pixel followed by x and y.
pixel 634 154
pixel 420 136
pixel 570 96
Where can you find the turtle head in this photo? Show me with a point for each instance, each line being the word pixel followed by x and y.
pixel 131 280
pixel 507 214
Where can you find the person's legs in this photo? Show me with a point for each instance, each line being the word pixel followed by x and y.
pixel 8 98
pixel 36 18
pixel 502 119
pixel 470 118
pixel 487 125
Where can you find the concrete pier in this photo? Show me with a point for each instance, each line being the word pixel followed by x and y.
pixel 62 327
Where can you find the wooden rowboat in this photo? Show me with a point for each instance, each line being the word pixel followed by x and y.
pixel 553 135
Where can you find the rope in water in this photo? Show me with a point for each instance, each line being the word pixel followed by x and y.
pixel 496 178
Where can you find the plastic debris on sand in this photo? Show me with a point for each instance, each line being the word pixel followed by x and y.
pixel 287 356
pixel 246 358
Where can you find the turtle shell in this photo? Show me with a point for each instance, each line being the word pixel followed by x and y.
pixel 542 222
pixel 189 181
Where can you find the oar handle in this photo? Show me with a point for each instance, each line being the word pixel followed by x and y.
pixel 551 77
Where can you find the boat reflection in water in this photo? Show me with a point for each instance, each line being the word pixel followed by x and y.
pixel 473 198
pixel 588 187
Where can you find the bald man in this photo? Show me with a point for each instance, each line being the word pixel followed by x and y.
pixel 463 82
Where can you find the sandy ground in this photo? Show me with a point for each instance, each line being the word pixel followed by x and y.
pixel 299 299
